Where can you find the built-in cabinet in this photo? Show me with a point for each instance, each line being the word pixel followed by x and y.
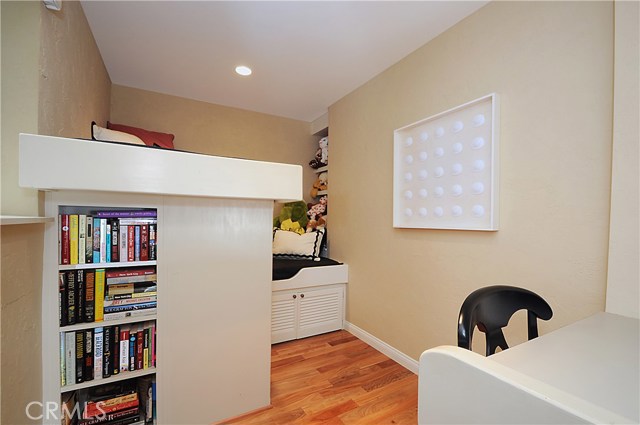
pixel 299 313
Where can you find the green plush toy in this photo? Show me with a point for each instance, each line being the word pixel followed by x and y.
pixel 292 217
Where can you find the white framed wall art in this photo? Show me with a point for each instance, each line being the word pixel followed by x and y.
pixel 446 169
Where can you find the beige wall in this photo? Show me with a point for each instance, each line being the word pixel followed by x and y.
pixel 56 84
pixel 217 130
pixel 623 282
pixel 551 64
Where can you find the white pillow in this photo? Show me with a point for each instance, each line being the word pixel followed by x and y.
pixel 292 245
pixel 106 135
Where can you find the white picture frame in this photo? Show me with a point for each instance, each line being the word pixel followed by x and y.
pixel 446 169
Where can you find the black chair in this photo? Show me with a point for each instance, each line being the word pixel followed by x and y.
pixel 490 308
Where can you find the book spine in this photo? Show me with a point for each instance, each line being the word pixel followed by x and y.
pixel 130 296
pixel 73 238
pixel 88 355
pixel 131 242
pixel 144 242
pixel 128 214
pixel 63 369
pixel 59 238
pixel 108 244
pixel 139 349
pixel 79 357
pixel 89 242
pixel 115 246
pixel 71 297
pixel 65 255
pixel 107 343
pixel 82 238
pixel 153 232
pixel 131 272
pixel 98 346
pixel 131 279
pixel 130 307
pixel 98 409
pixel 90 296
pixel 130 301
pixel 62 299
pixel 103 240
pixel 81 293
pixel 120 417
pixel 153 344
pixel 137 243
pixel 132 348
pixel 96 240
pixel 123 243
pixel 145 349
pixel 99 295
pixel 126 314
pixel 115 351
pixel 124 348
pixel 70 357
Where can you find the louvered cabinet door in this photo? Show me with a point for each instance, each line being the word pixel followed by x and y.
pixel 320 310
pixel 283 316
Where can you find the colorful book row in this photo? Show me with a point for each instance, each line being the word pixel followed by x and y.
pixel 98 353
pixel 95 295
pixel 94 239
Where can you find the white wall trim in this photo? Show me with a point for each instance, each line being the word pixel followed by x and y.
pixel 383 347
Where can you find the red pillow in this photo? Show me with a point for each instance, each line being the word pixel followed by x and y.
pixel 150 138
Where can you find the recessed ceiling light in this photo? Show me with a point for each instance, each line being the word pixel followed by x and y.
pixel 243 70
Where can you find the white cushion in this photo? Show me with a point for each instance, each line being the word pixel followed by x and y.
pixel 106 135
pixel 288 244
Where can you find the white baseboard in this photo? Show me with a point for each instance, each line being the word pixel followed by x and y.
pixel 383 347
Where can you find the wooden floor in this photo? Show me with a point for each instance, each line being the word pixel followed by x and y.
pixel 336 379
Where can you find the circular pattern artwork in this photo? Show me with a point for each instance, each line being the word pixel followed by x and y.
pixel 448 179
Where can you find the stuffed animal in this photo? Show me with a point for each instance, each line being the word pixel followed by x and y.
pixel 322 154
pixel 317 210
pixel 313 224
pixel 292 217
pixel 321 183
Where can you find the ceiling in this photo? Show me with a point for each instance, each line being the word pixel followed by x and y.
pixel 305 55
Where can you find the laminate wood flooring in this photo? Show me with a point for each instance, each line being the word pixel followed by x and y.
pixel 336 379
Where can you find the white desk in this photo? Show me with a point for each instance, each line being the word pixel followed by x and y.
pixel 587 372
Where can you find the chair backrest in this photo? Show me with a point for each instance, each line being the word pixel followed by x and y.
pixel 490 308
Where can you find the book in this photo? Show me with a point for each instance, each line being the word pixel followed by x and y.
pixel 130 307
pixel 132 279
pixel 79 357
pixel 116 351
pixel 63 368
pixel 127 314
pixel 130 288
pixel 139 349
pixel 80 298
pixel 133 295
pixel 139 271
pixel 111 406
pixel 70 357
pixel 73 238
pixel 107 356
pixel 71 297
pixel 131 231
pixel 89 296
pixel 132 347
pixel 136 245
pixel 124 348
pixel 152 241
pixel 145 394
pixel 103 240
pixel 67 409
pixel 107 248
pixel 153 344
pixel 128 214
pixel 59 238
pixel 89 242
pixel 65 255
pixel 99 295
pixel 145 348
pixel 129 301
pixel 123 255
pixel 98 344
pixel 96 240
pixel 62 299
pixel 120 417
pixel 87 373
pixel 115 246
pixel 82 238
pixel 144 242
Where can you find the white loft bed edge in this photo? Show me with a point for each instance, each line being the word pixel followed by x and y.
pixel 76 164
pixel 490 392
pixel 313 276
